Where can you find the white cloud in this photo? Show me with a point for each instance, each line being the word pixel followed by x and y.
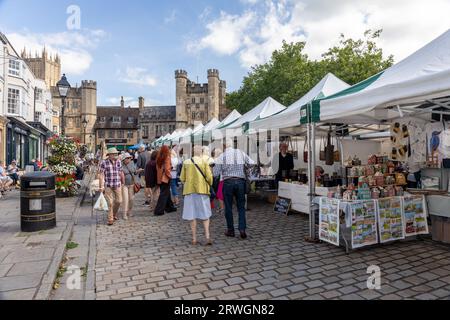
pixel 224 34
pixel 72 46
pixel 254 35
pixel 137 76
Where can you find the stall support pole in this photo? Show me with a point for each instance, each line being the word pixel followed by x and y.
pixel 311 140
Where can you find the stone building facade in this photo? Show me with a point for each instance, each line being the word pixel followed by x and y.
pixel 155 121
pixel 81 105
pixel 117 126
pixel 199 103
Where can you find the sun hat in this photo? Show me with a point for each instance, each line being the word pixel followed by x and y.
pixel 126 155
pixel 112 151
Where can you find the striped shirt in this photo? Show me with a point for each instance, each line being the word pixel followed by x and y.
pixel 112 173
pixel 231 164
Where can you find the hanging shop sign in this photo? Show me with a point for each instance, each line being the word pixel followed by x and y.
pixel 415 215
pixel 390 219
pixel 364 223
pixel 329 220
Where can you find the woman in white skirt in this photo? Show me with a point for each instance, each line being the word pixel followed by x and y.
pixel 197 178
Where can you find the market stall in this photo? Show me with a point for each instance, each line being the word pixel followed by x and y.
pixel 407 97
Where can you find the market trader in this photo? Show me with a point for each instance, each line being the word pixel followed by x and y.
pixel 285 163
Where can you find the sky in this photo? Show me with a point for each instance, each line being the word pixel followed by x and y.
pixel 132 48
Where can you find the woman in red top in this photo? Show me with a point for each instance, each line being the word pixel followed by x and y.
pixel 163 168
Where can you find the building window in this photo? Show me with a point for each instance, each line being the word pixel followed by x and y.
pixel 14 67
pixel 116 119
pixel 102 119
pixel 39 95
pixel 48 123
pixel 193 100
pixel 111 134
pixel 101 134
pixel 37 116
pixel 13 101
pixel 202 100
pixel 130 120
pixel 130 135
pixel 120 134
pixel 75 105
pixel 145 131
pixel 78 122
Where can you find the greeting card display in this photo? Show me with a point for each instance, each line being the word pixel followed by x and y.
pixel 415 215
pixel 390 219
pixel 329 220
pixel 364 223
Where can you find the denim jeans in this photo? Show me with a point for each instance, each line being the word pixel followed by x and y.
pixel 234 188
pixel 174 187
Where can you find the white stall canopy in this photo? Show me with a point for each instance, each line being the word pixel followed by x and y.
pixel 414 86
pixel 288 120
pixel 265 109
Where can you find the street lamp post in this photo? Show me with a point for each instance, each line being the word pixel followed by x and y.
pixel 63 88
pixel 85 123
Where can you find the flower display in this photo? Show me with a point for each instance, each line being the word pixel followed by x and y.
pixel 62 163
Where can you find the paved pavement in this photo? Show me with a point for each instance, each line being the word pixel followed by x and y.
pixel 151 258
pixel 30 261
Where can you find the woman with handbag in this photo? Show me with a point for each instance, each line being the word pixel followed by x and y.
pixel 130 188
pixel 164 175
pixel 197 178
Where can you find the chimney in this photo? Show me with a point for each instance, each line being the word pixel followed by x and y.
pixel 141 103
pixel 122 103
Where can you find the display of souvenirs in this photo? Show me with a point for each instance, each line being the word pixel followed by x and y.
pixel 364 192
pixel 390 180
pixel 372 159
pixel 364 223
pixel 390 219
pixel 375 193
pixel 347 196
pixel 379 179
pixel 329 221
pixel 415 215
pixel 356 161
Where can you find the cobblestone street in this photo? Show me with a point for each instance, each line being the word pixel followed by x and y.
pixel 152 258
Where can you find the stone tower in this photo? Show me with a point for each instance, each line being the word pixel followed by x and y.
pixel 213 93
pixel 181 78
pixel 89 105
pixel 44 66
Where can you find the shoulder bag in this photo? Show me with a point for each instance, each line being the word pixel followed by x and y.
pixel 212 195
pixel 137 186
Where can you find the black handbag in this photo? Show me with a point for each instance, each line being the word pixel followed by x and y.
pixel 329 151
pixel 212 193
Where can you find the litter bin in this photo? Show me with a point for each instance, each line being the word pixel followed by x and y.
pixel 37 201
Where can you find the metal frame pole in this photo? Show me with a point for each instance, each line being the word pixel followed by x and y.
pixel 311 140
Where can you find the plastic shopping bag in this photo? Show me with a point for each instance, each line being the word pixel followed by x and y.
pixel 101 204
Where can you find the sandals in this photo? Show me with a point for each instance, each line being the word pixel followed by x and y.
pixel 208 242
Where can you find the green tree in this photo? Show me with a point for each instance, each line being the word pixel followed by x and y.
pixel 356 60
pixel 290 74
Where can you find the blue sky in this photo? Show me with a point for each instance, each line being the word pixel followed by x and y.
pixel 132 48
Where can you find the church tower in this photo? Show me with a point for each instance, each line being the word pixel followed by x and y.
pixel 44 66
pixel 181 78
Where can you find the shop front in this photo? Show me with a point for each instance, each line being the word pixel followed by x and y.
pixel 119 144
pixel 22 142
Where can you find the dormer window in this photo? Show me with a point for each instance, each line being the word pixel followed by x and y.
pixel 116 119
pixel 130 119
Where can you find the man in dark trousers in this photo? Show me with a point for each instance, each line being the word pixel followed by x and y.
pixel 285 163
